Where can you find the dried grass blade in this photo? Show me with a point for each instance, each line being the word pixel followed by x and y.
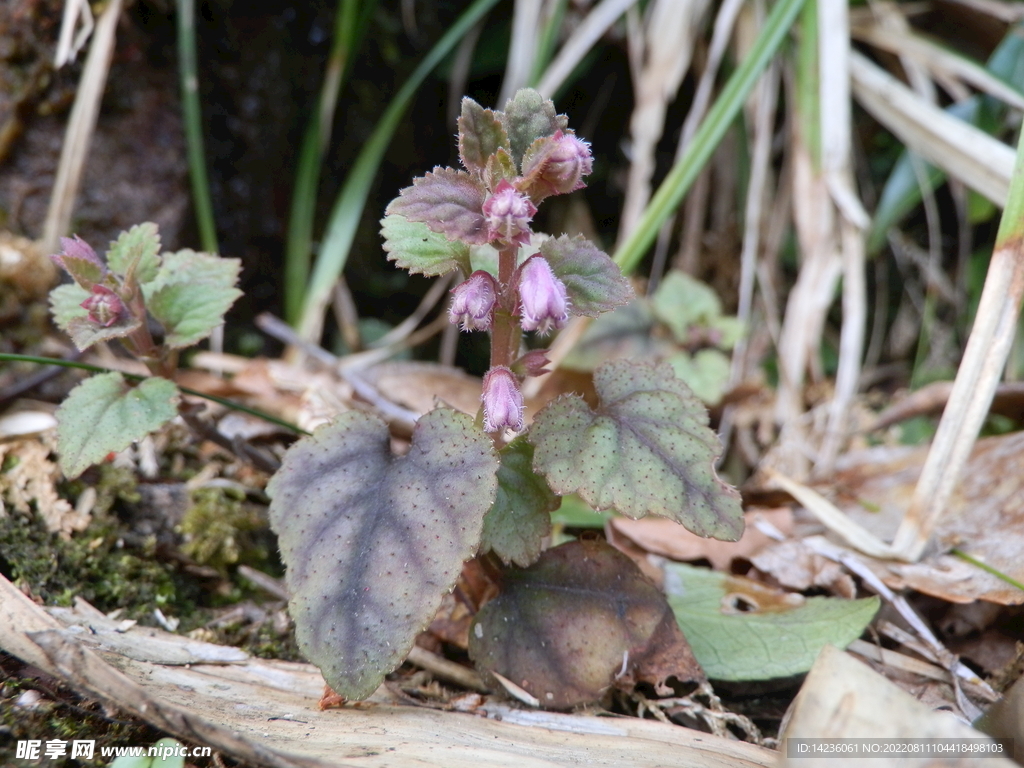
pixel 963 151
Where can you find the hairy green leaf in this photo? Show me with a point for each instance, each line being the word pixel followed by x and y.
pixel 499 168
pixel 743 630
pixel 646 450
pixel 480 135
pixel 581 619
pixel 191 293
pixel 448 201
pixel 373 541
pixel 412 246
pixel 527 117
pixel 105 414
pixel 594 282
pixel 515 527
pixel 136 249
pixel 66 305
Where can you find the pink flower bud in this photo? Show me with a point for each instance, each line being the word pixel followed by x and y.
pixel 503 402
pixel 567 163
pixel 104 306
pixel 543 302
pixel 508 214
pixel 473 302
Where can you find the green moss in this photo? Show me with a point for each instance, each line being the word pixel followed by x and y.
pixel 222 529
pixel 95 565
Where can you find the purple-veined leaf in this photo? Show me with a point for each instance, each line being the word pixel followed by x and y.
pixel 373 541
pixel 447 201
pixel 515 526
pixel 646 450
pixel 594 282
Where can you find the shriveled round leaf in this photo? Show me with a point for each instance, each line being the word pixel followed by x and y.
pixel 743 630
pixel 581 619
pixel 447 201
pixel 594 282
pixel 480 135
pixel 646 450
pixel 515 527
pixel 373 541
pixel 412 246
pixel 105 414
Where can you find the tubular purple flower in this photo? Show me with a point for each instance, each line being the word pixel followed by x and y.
pixel 473 302
pixel 503 402
pixel 567 163
pixel 508 213
pixel 104 306
pixel 543 301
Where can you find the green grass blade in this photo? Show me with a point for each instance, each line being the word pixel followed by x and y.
pixel 348 208
pixel 708 136
pixel 298 248
pixel 188 70
pixel 548 41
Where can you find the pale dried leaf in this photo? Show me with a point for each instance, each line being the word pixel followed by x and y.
pixel 844 699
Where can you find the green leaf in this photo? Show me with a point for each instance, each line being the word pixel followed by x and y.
pixel 66 304
pixel 528 116
pixel 682 301
pixel 448 201
pixel 173 757
pixel 373 541
pixel 646 450
pixel 593 281
pixel 499 168
pixel 191 294
pixel 412 246
pixel 515 527
pixel 104 414
pixel 742 630
pixel 138 248
pixel 706 373
pixel 73 319
pixel 480 135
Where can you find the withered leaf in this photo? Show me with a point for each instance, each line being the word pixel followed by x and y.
pixel 581 619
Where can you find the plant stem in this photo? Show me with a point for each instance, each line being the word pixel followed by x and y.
pixel 504 331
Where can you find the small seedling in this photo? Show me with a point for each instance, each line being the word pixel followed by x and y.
pixel 373 541
pixel 186 292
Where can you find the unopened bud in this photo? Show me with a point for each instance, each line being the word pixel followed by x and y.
pixel 473 302
pixel 543 302
pixel 533 363
pixel 568 163
pixel 104 306
pixel 508 214
pixel 503 402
